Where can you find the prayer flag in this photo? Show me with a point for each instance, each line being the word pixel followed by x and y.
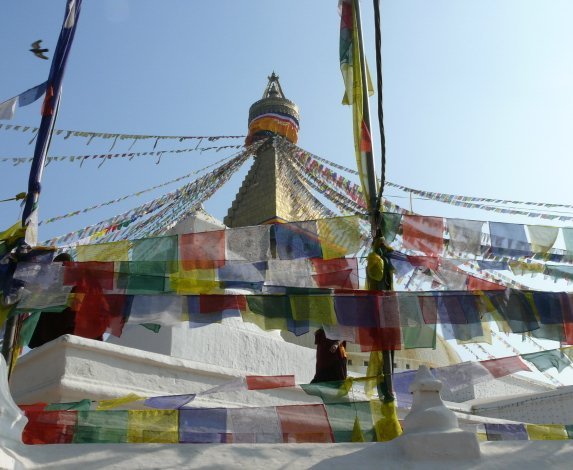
pixel 390 225
pixel 359 309
pixel 49 108
pixel 341 273
pixel 155 249
pixel 465 235
pixel 542 237
pixel 339 236
pixel 165 310
pixel 101 427
pixel 203 425
pixel 169 402
pixel 318 309
pixel 248 243
pixel 508 240
pixel 262 382
pixel 153 426
pixel 291 273
pixel 568 237
pixel 505 366
pixel 459 376
pixel 304 423
pixel 115 402
pixel 82 405
pixel 546 432
pixel 297 240
pixel 506 432
pixel 547 359
pixel 114 251
pixel 202 250
pixel 425 234
pixel 255 425
pixel 351 67
pixel 31 95
pixel 8 107
pixel 196 281
pixel 50 427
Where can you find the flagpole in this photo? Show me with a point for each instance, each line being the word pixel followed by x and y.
pixel 49 113
pixel 373 201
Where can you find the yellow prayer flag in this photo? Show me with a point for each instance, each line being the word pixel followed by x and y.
pixel 153 426
pixel 386 423
pixel 339 236
pixel 114 403
pixel 195 281
pixel 318 309
pixel 115 251
pixel 357 435
pixel 546 432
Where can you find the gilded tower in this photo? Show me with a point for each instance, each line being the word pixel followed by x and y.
pixel 272 191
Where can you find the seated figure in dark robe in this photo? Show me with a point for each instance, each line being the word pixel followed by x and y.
pixel 330 358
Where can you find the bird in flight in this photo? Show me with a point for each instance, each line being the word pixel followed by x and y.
pixel 38 51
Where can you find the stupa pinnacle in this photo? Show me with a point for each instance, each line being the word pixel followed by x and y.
pixel 271 190
pixel 273 114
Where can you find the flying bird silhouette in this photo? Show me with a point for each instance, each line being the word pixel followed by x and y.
pixel 38 51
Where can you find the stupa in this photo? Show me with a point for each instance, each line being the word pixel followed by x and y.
pixel 180 359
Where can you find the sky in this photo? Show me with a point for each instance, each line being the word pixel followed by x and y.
pixel 477 95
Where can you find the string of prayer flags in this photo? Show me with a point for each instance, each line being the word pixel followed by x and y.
pixel 81 159
pixel 428 194
pixel 333 422
pixel 123 198
pixel 353 68
pixel 115 136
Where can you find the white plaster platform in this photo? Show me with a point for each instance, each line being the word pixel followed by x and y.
pixel 71 368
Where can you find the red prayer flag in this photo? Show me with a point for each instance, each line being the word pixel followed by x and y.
pixel 378 339
pixel 50 427
pixel 219 302
pixel 475 283
pixel 430 262
pixel 202 250
pixel 505 366
pixel 567 307
pixel 304 423
pixel 425 234
pixel 264 382
pixel 429 309
pixel 90 273
pixel 337 273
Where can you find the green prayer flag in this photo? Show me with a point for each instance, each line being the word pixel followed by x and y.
pixel 390 225
pixel 151 326
pixel 101 427
pixel 547 359
pixel 82 405
pixel 28 327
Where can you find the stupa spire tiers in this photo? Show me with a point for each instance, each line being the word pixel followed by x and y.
pixel 273 114
pixel 271 190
